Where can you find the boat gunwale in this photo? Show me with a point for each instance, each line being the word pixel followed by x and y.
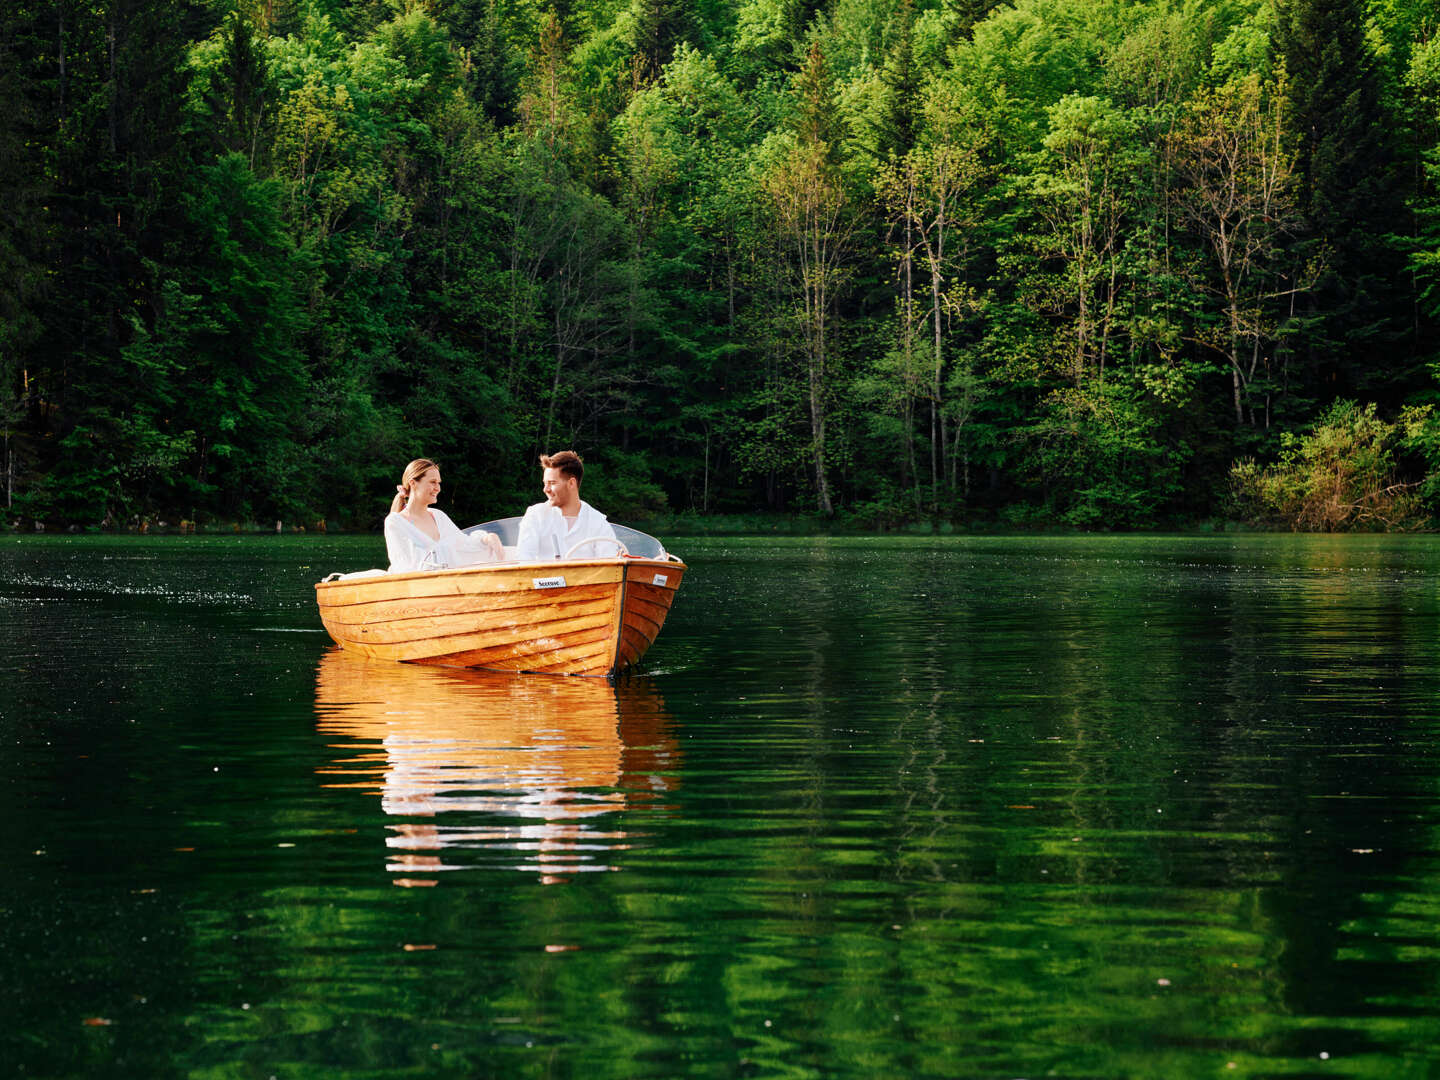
pixel 491 568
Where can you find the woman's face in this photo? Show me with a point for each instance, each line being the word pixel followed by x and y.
pixel 425 490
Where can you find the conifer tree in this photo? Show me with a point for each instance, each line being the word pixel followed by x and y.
pixel 1347 188
pixel 899 122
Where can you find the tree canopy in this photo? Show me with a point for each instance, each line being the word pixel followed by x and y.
pixel 1073 261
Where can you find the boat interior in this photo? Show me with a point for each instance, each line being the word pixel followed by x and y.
pixel 628 541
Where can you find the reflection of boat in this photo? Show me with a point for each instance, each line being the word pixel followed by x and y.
pixel 591 616
pixel 531 768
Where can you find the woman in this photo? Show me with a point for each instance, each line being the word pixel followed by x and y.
pixel 418 537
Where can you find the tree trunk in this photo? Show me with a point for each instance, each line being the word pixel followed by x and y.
pixel 60 15
pixel 554 383
pixel 817 422
pixel 937 380
pixel 822 481
pixel 113 105
pixel 729 283
pixel 1238 378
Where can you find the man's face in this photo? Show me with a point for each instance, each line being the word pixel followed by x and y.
pixel 561 490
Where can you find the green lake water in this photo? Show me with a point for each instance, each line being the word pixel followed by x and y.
pixel 887 807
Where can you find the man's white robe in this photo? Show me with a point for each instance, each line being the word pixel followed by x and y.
pixel 546 533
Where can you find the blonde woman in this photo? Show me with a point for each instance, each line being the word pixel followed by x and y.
pixel 419 537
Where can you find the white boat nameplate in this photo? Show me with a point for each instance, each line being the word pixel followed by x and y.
pixel 660 579
pixel 549 582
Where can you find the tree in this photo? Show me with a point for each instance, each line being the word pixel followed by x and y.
pixel 1097 454
pixel 549 110
pixel 114 163
pixel 231 326
pixel 927 192
pixel 232 97
pixel 1085 191
pixel 692 202
pixel 1347 188
pixel 23 233
pixel 813 213
pixel 1237 198
pixel 659 28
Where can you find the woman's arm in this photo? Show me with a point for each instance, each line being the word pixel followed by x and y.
pixel 470 549
pixel 488 545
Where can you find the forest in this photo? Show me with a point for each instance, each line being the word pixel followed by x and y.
pixel 880 263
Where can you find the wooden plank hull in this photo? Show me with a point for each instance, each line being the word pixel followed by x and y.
pixel 579 617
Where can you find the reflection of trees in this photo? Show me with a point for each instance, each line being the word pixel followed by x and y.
pixel 917 834
pixel 1034 778
pixel 529 767
pixel 1331 666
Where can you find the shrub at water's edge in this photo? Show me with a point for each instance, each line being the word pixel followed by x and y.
pixel 1351 470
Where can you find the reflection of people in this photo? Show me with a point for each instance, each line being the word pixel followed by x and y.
pixel 474 766
pixel 551 529
pixel 419 537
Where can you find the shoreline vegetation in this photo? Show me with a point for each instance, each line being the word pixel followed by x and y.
pixel 903 265
pixel 723 525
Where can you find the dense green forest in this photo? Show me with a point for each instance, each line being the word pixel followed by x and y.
pixel 1109 263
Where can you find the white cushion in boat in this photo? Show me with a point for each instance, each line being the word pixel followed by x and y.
pixel 356 574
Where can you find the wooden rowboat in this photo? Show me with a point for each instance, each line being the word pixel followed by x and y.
pixel 578 616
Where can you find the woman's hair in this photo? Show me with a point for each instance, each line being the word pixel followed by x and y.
pixel 416 469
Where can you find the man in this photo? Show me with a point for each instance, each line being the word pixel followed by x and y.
pixel 551 529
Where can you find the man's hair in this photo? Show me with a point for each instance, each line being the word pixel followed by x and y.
pixel 567 461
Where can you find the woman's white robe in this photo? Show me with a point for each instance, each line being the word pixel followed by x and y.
pixel 410 549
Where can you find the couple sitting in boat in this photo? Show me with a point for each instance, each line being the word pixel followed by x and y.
pixel 419 537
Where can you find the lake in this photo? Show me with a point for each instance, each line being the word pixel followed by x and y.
pixel 1124 806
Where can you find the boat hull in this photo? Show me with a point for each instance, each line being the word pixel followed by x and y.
pixel 592 617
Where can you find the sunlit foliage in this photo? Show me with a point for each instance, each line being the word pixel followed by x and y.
pixel 1046 261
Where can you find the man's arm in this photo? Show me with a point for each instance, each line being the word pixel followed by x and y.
pixel 598 524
